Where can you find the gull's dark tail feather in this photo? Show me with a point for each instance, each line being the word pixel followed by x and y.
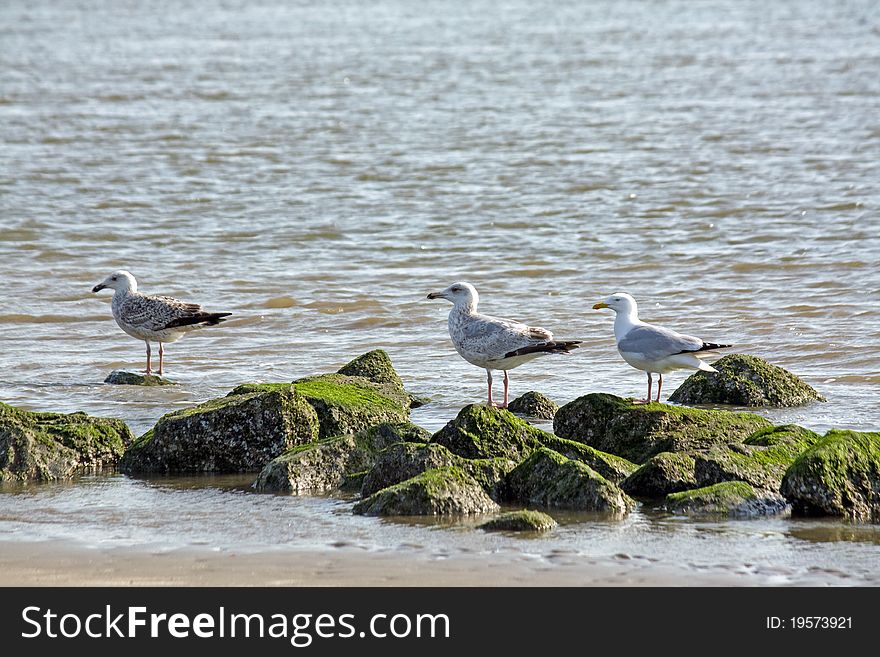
pixel 546 347
pixel 208 319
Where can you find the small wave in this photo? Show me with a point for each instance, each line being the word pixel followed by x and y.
pixel 18 318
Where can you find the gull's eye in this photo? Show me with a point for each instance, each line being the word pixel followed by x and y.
pixel 456 289
pixel 113 279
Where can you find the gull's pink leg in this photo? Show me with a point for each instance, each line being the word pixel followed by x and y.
pixel 648 400
pixel 149 365
pixel 659 385
pixel 506 385
pixel 489 380
pixel 161 357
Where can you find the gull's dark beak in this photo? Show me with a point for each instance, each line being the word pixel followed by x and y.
pixel 435 295
pixel 98 287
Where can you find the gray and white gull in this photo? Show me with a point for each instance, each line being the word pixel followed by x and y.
pixel 654 349
pixel 153 318
pixel 494 343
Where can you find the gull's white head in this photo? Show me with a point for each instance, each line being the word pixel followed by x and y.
pixel 121 281
pixel 621 303
pixel 460 294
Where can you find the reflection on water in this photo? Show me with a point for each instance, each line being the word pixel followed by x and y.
pixel 317 171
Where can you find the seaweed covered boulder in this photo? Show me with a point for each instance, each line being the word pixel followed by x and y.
pixel 480 432
pixel 50 446
pixel 614 468
pixel 549 479
pixel 729 498
pixel 439 491
pixel 405 460
pixel 520 521
pixel 743 380
pixel 241 432
pixel 534 404
pixel 663 473
pixel 838 476
pixel 639 431
pixel 123 378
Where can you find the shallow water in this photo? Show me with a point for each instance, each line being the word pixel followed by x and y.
pixel 317 168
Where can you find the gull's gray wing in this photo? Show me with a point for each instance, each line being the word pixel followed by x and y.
pixel 494 337
pixel 656 342
pixel 158 313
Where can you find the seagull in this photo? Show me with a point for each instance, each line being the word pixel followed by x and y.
pixel 494 343
pixel 151 318
pixel 654 349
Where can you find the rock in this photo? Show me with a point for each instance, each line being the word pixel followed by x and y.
pixel 534 404
pixel 614 468
pixel 335 463
pixel 662 474
pixel 50 446
pixel 520 521
pixel 638 432
pixel 547 478
pixel 120 377
pixel 405 460
pixel 744 380
pixel 238 433
pixel 730 498
pixel 441 491
pixel 838 476
pixel 374 366
pixel 480 432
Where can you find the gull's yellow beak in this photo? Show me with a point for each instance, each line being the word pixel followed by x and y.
pixel 600 305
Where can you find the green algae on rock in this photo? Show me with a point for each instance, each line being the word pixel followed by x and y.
pixel 481 431
pixel 744 380
pixel 440 491
pixel 638 432
pixel 51 446
pixel 663 473
pixel 614 468
pixel 341 462
pixel 549 479
pixel 534 404
pixel 520 521
pixel 838 476
pixel 729 498
pixel 121 377
pixel 241 432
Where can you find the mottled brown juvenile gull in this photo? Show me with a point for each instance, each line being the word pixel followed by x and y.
pixel 494 343
pixel 654 349
pixel 153 319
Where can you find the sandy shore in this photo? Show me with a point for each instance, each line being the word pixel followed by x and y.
pixel 58 563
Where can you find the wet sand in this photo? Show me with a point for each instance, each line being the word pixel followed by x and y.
pixel 61 563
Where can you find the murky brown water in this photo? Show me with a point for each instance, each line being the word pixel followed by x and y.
pixel 317 168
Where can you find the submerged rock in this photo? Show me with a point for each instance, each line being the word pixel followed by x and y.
pixel 638 432
pixel 663 473
pixel 49 446
pixel 549 479
pixel 121 377
pixel 440 491
pixel 534 404
pixel 744 380
pixel 838 476
pixel 730 498
pixel 520 521
pixel 238 433
pixel 335 463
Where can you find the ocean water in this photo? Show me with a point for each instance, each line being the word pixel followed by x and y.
pixel 316 168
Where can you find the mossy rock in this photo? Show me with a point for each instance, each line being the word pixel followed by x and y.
pixel 744 380
pixel 729 498
pixel 549 479
pixel 51 446
pixel 838 476
pixel 480 432
pixel 440 491
pixel 639 431
pixel 520 521
pixel 338 463
pixel 614 468
pixel 663 473
pixel 238 433
pixel 123 378
pixel 534 404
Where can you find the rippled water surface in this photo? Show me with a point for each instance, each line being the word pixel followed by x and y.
pixel 317 167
